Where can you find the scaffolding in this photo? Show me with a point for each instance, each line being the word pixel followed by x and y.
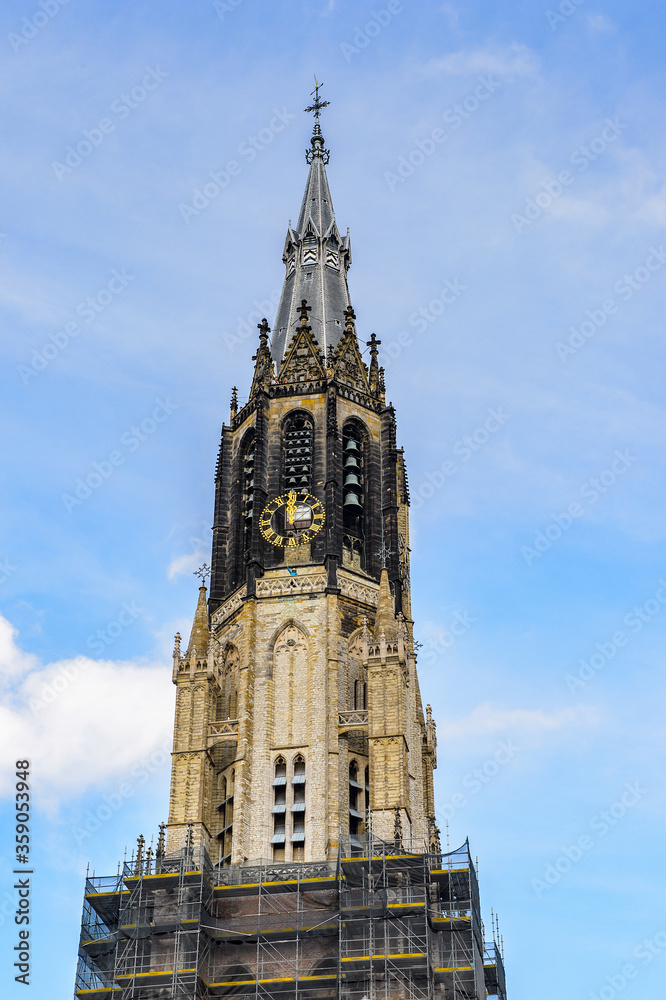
pixel 380 922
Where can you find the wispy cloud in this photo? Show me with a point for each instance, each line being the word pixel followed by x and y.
pixel 513 60
pixel 491 720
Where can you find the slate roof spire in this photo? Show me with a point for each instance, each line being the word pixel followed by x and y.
pixel 316 257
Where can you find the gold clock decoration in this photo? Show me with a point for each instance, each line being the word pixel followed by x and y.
pixel 291 519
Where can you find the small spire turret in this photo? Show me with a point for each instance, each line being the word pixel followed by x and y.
pixel 263 367
pixel 374 377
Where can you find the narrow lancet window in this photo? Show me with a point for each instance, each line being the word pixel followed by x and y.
pixel 279 809
pixel 298 810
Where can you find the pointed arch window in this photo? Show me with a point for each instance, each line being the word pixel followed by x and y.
pixel 297 452
pixel 226 811
pixel 279 810
pixel 360 694
pixel 298 809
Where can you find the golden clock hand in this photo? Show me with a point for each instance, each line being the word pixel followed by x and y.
pixel 291 506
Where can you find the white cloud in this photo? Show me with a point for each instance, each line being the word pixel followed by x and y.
pixel 512 60
pixel 80 722
pixel 187 563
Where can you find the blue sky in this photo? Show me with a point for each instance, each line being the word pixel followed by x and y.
pixel 501 168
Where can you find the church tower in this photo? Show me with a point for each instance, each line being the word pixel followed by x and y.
pixel 301 859
pixel 299 720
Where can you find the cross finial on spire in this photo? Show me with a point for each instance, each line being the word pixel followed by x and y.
pixel 203 572
pixel 303 311
pixel 317 140
pixel 264 330
pixel 373 344
pixel 384 552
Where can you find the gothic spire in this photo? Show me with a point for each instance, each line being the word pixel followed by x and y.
pixel 316 256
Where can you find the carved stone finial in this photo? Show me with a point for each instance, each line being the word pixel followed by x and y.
pixel 176 644
pixel 397 828
pixel 234 402
pixel 138 868
pixel 160 842
pixel 350 316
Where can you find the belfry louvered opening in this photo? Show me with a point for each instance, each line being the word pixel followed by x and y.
pixel 298 441
pixel 247 483
pixel 353 490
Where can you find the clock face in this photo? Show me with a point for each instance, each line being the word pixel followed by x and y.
pixel 291 519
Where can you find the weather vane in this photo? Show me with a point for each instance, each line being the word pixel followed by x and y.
pixel 317 141
pixel 317 105
pixel 203 572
